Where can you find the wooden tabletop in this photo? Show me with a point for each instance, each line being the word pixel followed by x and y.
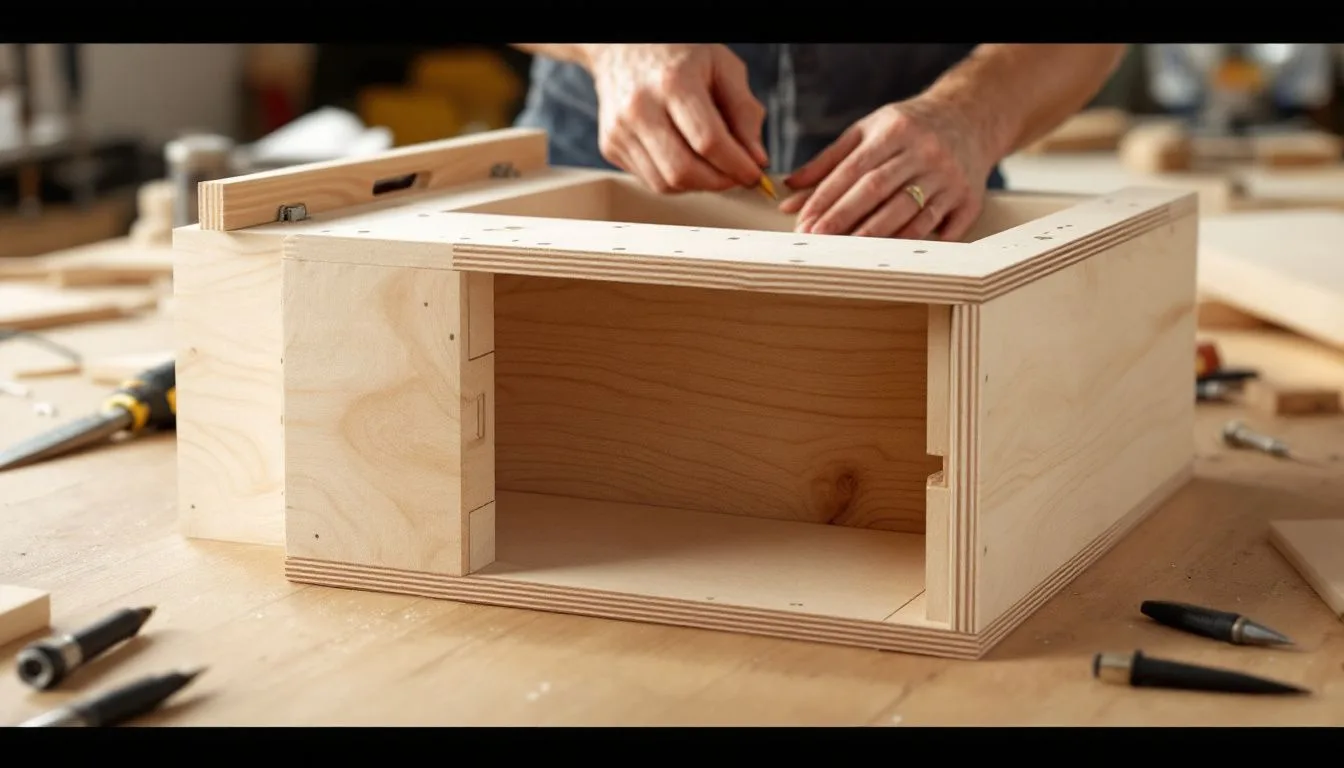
pixel 97 531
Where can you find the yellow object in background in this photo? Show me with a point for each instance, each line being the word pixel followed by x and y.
pixel 411 115
pixel 450 93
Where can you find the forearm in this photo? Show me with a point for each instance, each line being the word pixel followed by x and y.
pixel 574 53
pixel 1017 93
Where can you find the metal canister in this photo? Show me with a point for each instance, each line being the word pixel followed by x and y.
pixel 191 160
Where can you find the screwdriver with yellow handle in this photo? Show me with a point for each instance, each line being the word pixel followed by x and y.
pixel 146 402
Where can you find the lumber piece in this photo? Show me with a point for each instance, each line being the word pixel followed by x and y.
pixel 32 307
pixel 23 611
pixel 1275 398
pixel 1283 266
pixel 1316 549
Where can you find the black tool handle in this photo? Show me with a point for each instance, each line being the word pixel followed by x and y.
pixel 104 634
pixel 150 398
pixel 131 700
pixel 1194 619
pixel 1147 672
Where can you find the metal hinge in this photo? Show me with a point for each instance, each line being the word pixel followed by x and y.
pixel 295 212
pixel 504 171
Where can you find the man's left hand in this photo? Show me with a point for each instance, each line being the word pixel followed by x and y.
pixel 914 169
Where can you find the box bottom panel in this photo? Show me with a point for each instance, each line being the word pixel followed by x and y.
pixel 800 581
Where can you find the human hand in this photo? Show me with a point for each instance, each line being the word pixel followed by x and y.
pixel 680 117
pixel 914 169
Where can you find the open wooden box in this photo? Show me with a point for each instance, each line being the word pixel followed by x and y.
pixel 465 374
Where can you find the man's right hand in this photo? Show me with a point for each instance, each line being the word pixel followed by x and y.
pixel 680 117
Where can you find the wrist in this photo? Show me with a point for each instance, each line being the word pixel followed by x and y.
pixel 992 126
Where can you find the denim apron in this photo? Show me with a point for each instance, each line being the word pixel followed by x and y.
pixel 812 92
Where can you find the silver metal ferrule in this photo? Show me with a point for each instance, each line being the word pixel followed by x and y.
pixel 1112 667
pixel 64 717
pixel 35 666
pixel 1239 631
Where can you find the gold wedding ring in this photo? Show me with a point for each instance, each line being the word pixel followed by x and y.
pixel 916 193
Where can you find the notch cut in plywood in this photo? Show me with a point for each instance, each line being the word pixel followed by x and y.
pixel 1283 266
pixel 23 611
pixel 1316 549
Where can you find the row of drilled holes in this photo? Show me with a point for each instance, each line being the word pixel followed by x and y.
pixel 614 226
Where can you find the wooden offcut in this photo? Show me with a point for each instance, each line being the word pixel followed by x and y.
pixel 1316 549
pixel 23 611
pixel 549 388
pixel 1282 266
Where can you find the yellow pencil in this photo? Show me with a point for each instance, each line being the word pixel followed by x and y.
pixel 767 188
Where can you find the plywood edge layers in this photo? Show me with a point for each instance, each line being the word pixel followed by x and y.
pixel 253 199
pixel 608 605
pixel 783 262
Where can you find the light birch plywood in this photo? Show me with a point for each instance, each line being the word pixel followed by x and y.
pixel 1283 266
pixel 23 611
pixel 693 415
pixel 1316 550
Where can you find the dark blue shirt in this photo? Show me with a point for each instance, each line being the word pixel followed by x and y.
pixel 812 92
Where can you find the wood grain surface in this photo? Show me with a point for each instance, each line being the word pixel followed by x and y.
pixel 99 532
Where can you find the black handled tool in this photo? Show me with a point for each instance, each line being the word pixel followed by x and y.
pixel 145 402
pixel 45 663
pixel 1135 669
pixel 117 706
pixel 1216 625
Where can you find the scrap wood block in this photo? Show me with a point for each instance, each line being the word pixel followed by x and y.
pixel 33 307
pixel 551 389
pixel 23 611
pixel 1283 266
pixel 1316 549
pixel 1277 398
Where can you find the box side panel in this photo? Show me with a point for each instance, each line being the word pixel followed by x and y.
pixel 1084 408
pixel 378 418
pixel 230 452
pixel 784 407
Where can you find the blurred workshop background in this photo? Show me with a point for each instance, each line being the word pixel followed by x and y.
pixel 91 136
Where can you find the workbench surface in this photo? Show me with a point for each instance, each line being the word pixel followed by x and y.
pixel 98 531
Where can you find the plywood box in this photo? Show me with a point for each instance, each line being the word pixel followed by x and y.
pixel 547 388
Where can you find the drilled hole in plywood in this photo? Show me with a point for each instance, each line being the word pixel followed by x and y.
pixel 464 238
pixel 618 226
pixel 618 249
pixel 513 227
pixel 513 241
pixel 795 261
pixel 325 231
pixel 1044 237
pixel 734 238
pixel 695 230
pixel 543 243
pixel 800 243
pixel 363 231
pixel 921 251
pixel 676 251
pixel 884 265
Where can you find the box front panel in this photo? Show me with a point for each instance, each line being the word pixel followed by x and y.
pixel 375 408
